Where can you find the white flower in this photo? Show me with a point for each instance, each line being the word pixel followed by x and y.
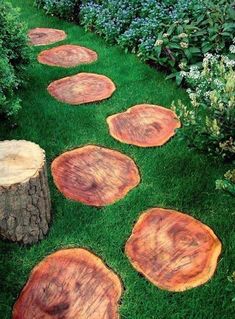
pixel 165 35
pixel 232 48
pixel 182 35
pixel 158 42
pixel 228 62
pixel 184 45
pixel 182 65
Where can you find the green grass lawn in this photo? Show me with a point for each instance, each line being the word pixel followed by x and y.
pixel 172 176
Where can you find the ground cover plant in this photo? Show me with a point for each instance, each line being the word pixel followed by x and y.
pixel 173 34
pixel 172 176
pixel 14 57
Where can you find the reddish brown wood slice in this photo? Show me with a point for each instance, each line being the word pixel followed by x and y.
pixel 82 88
pixel 95 175
pixel 144 125
pixel 67 56
pixel 173 250
pixel 45 36
pixel 69 284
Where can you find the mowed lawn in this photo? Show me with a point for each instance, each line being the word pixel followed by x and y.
pixel 172 176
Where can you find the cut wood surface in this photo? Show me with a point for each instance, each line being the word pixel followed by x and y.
pixel 144 125
pixel 82 88
pixel 67 56
pixel 45 36
pixel 24 193
pixel 173 250
pixel 95 175
pixel 70 284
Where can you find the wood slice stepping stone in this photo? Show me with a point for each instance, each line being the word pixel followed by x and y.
pixel 144 125
pixel 67 56
pixel 45 36
pixel 24 193
pixel 70 284
pixel 173 250
pixel 94 175
pixel 82 88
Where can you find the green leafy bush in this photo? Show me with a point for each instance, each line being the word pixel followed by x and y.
pixel 14 56
pixel 228 183
pixel 209 122
pixel 173 33
pixel 67 9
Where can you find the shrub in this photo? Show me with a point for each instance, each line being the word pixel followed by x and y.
pixel 209 122
pixel 67 9
pixel 14 56
pixel 228 183
pixel 174 34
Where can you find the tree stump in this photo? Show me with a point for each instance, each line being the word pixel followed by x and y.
pixel 67 56
pixel 82 88
pixel 95 175
pixel 24 193
pixel 45 36
pixel 173 250
pixel 70 284
pixel 144 125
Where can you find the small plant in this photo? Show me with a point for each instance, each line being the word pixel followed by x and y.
pixel 209 122
pixel 228 183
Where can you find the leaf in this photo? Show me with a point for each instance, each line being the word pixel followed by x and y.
pixel 206 47
pixel 179 78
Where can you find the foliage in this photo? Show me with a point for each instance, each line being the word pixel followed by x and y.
pixel 228 183
pixel 172 176
pixel 174 34
pixel 67 9
pixel 14 56
pixel 209 123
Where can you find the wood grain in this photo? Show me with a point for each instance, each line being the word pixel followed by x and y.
pixel 173 250
pixel 67 56
pixel 45 36
pixel 82 88
pixel 19 161
pixel 70 284
pixel 144 125
pixel 94 175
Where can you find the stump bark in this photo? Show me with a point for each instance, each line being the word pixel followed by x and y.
pixel 24 193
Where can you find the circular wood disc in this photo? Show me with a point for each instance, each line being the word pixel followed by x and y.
pixel 67 56
pixel 70 284
pixel 173 250
pixel 144 125
pixel 82 88
pixel 45 36
pixel 19 161
pixel 95 175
